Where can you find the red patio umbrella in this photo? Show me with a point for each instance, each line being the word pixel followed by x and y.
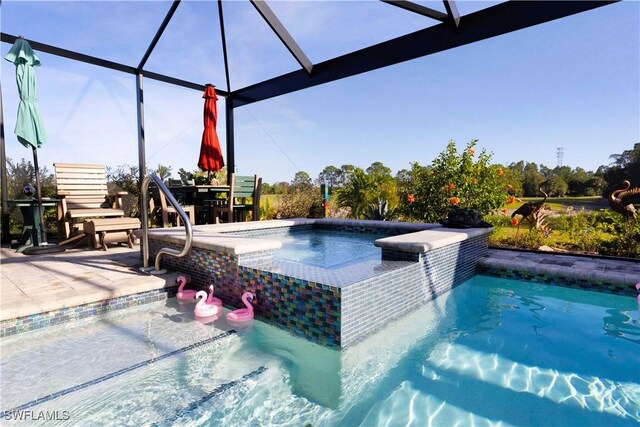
pixel 210 153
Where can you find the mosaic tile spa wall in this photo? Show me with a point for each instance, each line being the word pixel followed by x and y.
pixel 307 309
pixel 330 315
pixel 395 293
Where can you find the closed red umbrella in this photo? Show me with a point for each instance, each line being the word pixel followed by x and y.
pixel 210 153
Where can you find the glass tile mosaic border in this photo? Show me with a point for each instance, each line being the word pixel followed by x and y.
pixel 66 314
pixel 568 279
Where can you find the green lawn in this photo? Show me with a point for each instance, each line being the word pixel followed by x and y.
pixel 561 204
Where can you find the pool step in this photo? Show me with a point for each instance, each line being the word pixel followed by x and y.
pixel 189 409
pixel 163 389
pixel 117 373
pixel 65 359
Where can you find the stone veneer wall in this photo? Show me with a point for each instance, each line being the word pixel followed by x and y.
pixel 368 305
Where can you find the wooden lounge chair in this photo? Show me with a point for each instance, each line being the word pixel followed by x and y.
pixel 83 193
pixel 241 189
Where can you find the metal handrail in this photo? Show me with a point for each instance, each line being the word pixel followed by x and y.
pixel 144 190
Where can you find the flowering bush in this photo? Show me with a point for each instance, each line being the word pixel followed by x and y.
pixel 453 179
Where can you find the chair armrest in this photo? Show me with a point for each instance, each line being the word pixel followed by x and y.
pixel 115 198
pixel 63 193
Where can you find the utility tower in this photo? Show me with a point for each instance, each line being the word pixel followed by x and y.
pixel 560 155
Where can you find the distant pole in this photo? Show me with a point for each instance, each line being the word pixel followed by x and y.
pixel 560 155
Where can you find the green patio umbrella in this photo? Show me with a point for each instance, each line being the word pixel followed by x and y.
pixel 29 126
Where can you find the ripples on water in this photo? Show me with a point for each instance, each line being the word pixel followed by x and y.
pixel 491 352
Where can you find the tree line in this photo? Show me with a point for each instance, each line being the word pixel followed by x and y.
pixel 524 177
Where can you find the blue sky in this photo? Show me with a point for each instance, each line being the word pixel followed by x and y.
pixel 572 83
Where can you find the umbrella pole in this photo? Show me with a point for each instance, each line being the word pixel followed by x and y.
pixel 6 231
pixel 43 229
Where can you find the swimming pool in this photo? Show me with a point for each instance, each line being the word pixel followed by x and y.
pixel 490 351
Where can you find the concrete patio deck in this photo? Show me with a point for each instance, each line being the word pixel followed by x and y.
pixel 31 284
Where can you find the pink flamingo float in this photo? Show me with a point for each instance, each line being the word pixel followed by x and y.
pixel 243 314
pixel 213 300
pixel 638 288
pixel 184 294
pixel 203 308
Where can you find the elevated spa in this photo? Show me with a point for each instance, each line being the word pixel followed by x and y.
pixel 339 303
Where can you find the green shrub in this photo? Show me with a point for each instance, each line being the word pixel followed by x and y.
pixel 126 178
pixel 498 220
pixel 625 240
pixel 297 201
pixel 267 211
pixel 369 195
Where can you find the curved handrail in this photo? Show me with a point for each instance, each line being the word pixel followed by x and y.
pixel 144 190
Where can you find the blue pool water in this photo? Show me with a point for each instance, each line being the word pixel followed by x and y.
pixel 326 249
pixel 490 352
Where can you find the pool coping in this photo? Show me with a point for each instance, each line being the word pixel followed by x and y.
pixel 615 276
pixel 416 237
pixel 42 284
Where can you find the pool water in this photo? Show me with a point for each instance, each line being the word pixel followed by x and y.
pixel 490 352
pixel 326 248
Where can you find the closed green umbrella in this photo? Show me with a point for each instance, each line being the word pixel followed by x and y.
pixel 29 126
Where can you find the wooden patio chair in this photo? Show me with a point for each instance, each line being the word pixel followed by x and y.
pixel 82 190
pixel 242 189
pixel 165 210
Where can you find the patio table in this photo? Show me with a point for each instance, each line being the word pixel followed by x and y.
pixel 31 234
